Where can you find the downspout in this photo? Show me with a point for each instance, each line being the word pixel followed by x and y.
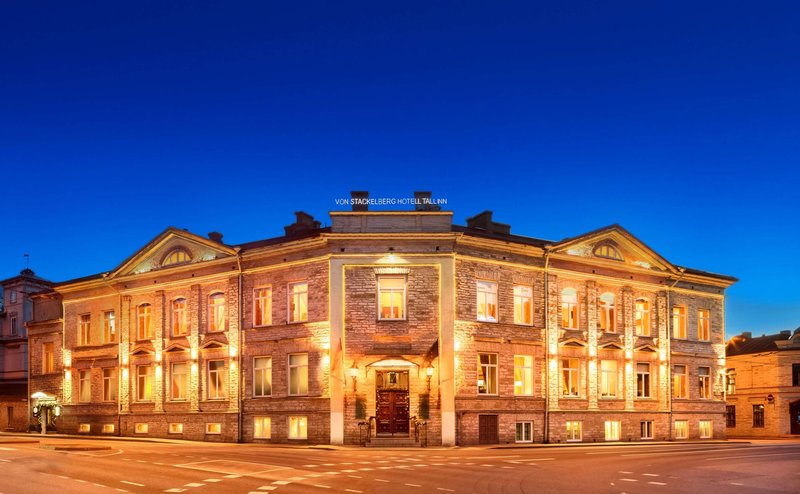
pixel 546 313
pixel 670 329
pixel 240 419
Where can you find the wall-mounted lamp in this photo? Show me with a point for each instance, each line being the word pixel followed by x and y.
pixel 429 374
pixel 354 376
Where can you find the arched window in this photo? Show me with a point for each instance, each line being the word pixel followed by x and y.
pixel 144 326
pixel 216 312
pixel 177 256
pixel 569 308
pixel 179 325
pixel 642 317
pixel 608 318
pixel 608 251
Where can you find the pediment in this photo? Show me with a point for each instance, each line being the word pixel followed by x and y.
pixel 141 350
pixel 171 249
pixel 614 244
pixel 209 345
pixel 610 346
pixel 646 348
pixel 573 342
pixel 175 348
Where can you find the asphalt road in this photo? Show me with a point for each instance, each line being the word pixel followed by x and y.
pixel 202 468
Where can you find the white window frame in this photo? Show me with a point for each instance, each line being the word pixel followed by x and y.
pixel 180 322
pixel 175 428
pixel 262 306
pixel 607 312
pixel 523 305
pixel 108 428
pixel 216 312
pixel 679 322
pixel 709 426
pixel 527 431
pixel 144 322
pixel 703 325
pixel 296 370
pixel 488 374
pixel 213 428
pixel 704 383
pixel 641 318
pixel 85 329
pixel 141 427
pixel 646 429
pixel 570 314
pixel 298 427
pixel 84 427
pixel 218 379
pixel 84 386
pixel 573 426
pixel 681 429
pixel 266 371
pixel 144 383
pixel 172 380
pixel 109 384
pixel 263 423
pixel 523 375
pixel 48 357
pixel 391 292
pixel 486 295
pixel 609 375
pixel 643 380
pixel 680 377
pixel 612 430
pixel 109 327
pixel 570 378
pixel 297 299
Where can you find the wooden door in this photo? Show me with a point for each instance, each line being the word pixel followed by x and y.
pixel 488 429
pixel 392 411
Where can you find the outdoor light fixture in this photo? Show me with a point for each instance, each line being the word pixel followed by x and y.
pixel 429 374
pixel 354 376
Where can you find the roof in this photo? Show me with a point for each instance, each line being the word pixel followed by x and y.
pixel 520 239
pixel 742 345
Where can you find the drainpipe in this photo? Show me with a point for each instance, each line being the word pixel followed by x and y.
pixel 546 438
pixel 670 329
pixel 240 418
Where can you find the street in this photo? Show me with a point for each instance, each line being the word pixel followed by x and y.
pixel 205 468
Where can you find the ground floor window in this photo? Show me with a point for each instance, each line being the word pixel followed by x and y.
pixel 706 429
pixel 646 427
pixel 214 428
pixel 612 430
pixel 140 427
pixel 84 428
pixel 262 428
pixel 298 427
pixel 524 432
pixel 730 416
pixel 758 415
pixel 176 428
pixel 681 429
pixel 574 430
pixel 108 428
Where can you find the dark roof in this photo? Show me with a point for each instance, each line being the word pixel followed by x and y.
pixel 476 232
pixel 709 273
pixel 741 345
pixel 285 238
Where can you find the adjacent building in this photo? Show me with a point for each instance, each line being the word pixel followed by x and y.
pixel 394 320
pixel 763 385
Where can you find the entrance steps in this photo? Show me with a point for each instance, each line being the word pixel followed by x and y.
pixel 393 442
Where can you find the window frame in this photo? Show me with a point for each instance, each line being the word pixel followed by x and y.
pixel 217 312
pixel 573 426
pixel 703 325
pixel 570 313
pixel 109 327
pixel 759 415
pixel 641 317
pixel 265 419
pixel 259 310
pixel 643 380
pixel 709 424
pixel 110 384
pixel 144 383
pixel 267 371
pixel 526 374
pixel 290 303
pixel 220 381
pixel 609 379
pixel 403 301
pixel 646 428
pixel 683 380
pixel 144 322
pixel 615 427
pixel 298 373
pixel 489 372
pixel 84 386
pixel 179 320
pixel 795 374
pixel 683 429
pixel 13 330
pixel 527 431
pixel 569 371
pixel 730 416
pixel 172 381
pixel 704 390
pixel 301 423
pixel 523 295
pixel 486 299
pixel 607 310
pixel 680 322
pixel 48 357
pixel 84 329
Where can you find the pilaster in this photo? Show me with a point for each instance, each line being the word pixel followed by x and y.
pixel 591 313
pixel 553 329
pixel 124 355
pixel 194 302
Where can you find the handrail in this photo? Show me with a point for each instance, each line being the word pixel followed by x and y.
pixel 363 439
pixel 420 431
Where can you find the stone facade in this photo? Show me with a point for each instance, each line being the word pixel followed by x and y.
pixel 389 320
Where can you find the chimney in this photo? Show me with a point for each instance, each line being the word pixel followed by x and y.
pixel 422 201
pixel 786 332
pixel 359 200
pixel 747 335
pixel 304 222
pixel 483 221
pixel 215 237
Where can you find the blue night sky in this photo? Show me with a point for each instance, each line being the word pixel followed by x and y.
pixel 680 121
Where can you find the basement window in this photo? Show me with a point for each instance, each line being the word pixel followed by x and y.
pixel 141 427
pixel 176 428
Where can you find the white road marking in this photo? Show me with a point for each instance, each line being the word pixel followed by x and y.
pixel 5 461
pixel 420 465
pixel 629 480
pixel 487 457
pixel 443 489
pixel 175 489
pixel 736 483
pixel 355 477
pixel 532 459
pixel 7 449
pixel 121 490
pixel 212 480
pixel 128 459
pixel 413 485
pixel 513 467
pixel 281 482
pixel 158 463
pixel 267 488
pixel 650 474
pixel 366 469
pixel 332 473
pixel 313 475
pixel 232 476
pixel 381 480
pixel 194 484
pixel 296 479
pixel 657 483
pixel 61 476
pixel 626 473
pixel 328 464
pixel 352 490
pixel 487 465
pixel 310 466
pixel 100 485
pixel 131 483
pixel 323 486
pixel 79 480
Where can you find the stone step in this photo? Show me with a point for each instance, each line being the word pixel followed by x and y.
pixel 392 442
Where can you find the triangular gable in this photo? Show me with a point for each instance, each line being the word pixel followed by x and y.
pixel 152 256
pixel 573 342
pixel 174 348
pixel 631 250
pixel 211 345
pixel 142 351
pixel 646 348
pixel 610 346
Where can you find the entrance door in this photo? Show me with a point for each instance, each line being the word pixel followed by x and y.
pixel 487 429
pixel 794 417
pixel 392 403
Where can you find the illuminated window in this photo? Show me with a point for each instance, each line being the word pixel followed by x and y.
pixel 487 373
pixel 679 322
pixel 262 427
pixel 523 305
pixel 216 379
pixel 643 380
pixel 140 427
pixel 612 430
pixel 391 297
pixel 679 381
pixel 758 415
pixel 109 327
pixel 570 376
pixel 175 428
pixel 179 380
pixel 608 317
pixel 608 251
pixel 177 256
pixel 298 302
pixel 262 306
pixel 524 432
pixel 704 382
pixel 298 427
pixel 681 429
pixel 216 312
pixel 642 317
pixel 84 428
pixel 48 358
pixel 569 308
pixel 144 326
pixel 523 375
pixel 703 325
pixel 85 327
pixel 108 428
pixel 144 383
pixel 262 376
pixel 85 386
pixel 574 432
pixel 298 374
pixel 109 384
pixel 180 326
pixel 706 429
pixel 487 301
pixel 608 378
pixel 646 429
pixel 730 416
pixel 213 428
